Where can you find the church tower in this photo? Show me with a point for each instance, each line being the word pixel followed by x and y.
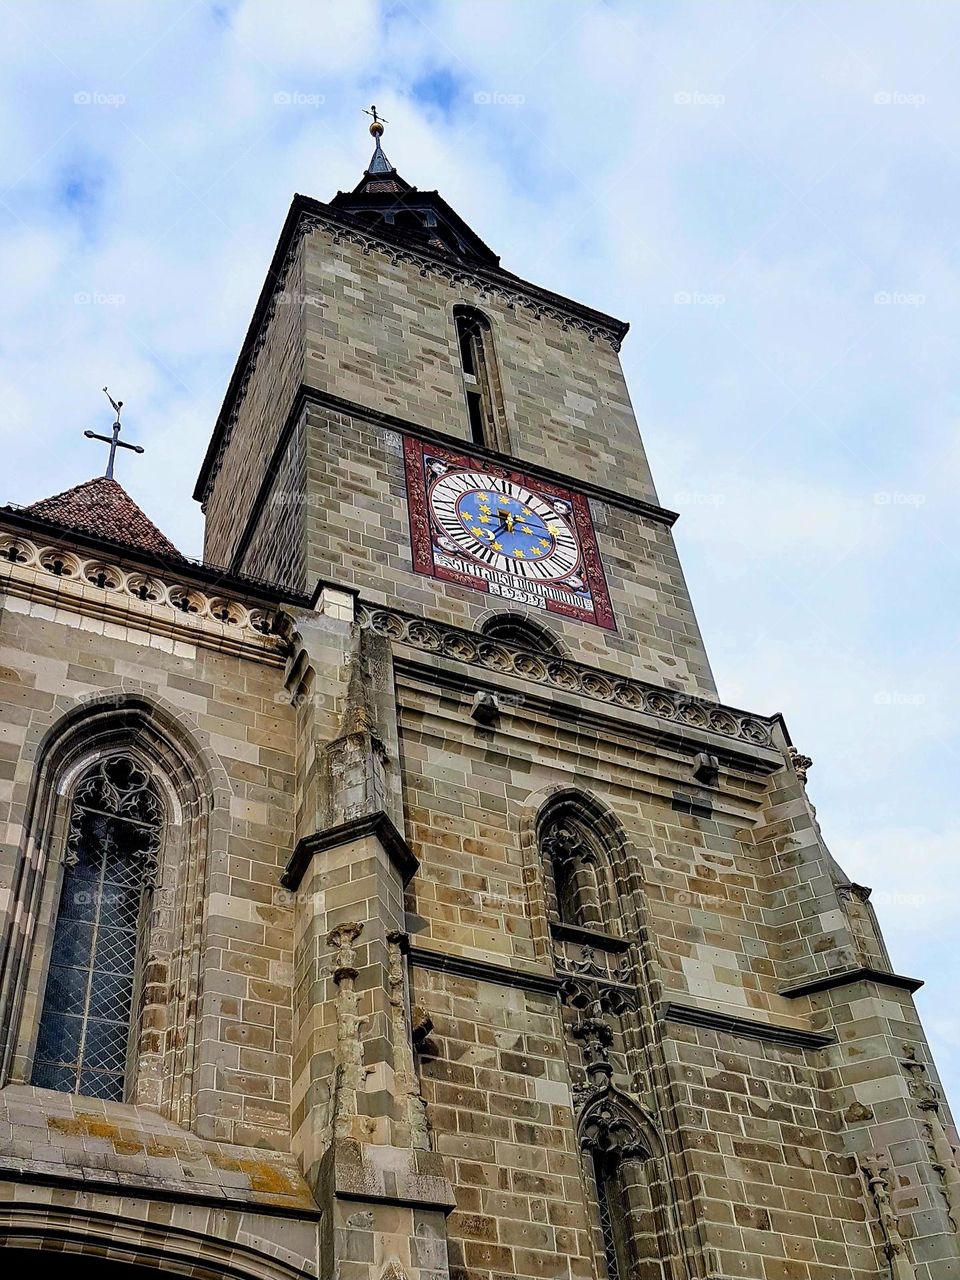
pixel 464 933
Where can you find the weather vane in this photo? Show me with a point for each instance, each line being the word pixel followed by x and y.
pixel 376 128
pixel 114 440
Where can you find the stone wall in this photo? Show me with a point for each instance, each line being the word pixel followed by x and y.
pixel 269 383
pixel 381 333
pixel 219 910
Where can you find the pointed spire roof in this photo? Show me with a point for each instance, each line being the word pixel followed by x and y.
pixel 380 176
pixel 389 203
pixel 379 162
pixel 102 508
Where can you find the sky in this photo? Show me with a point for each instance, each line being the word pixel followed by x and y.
pixel 766 191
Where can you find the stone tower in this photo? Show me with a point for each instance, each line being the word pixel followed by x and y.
pixel 471 936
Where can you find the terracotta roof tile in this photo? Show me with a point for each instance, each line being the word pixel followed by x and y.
pixel 104 509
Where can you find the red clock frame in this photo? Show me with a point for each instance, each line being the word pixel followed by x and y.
pixel 582 596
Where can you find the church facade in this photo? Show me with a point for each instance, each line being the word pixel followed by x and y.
pixel 390 896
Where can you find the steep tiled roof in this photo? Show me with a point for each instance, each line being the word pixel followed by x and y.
pixel 103 509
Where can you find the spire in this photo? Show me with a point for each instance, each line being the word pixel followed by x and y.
pixel 387 201
pixel 380 175
pixel 379 164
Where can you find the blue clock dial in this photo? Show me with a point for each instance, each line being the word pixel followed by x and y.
pixel 504 526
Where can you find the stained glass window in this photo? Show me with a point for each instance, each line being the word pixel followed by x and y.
pixel 113 843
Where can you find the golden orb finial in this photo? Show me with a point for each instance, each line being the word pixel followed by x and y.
pixel 376 127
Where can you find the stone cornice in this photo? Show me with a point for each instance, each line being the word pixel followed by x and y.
pixel 127 597
pixel 564 675
pixel 376 824
pixel 846 977
pixel 207 576
pixel 692 1016
pixel 589 937
pixel 484 971
pixel 307 215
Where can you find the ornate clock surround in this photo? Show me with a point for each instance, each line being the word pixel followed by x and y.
pixel 536 544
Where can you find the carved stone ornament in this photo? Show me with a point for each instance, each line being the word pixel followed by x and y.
pixel 608 1127
pixel 851 891
pixel 349 1072
pixel 119 787
pixel 588 966
pixel 801 764
pixel 565 846
pixel 561 673
pixel 123 583
pixel 393 1271
pixel 927 1097
pixel 405 1073
pixel 876 1169
pixel 580 992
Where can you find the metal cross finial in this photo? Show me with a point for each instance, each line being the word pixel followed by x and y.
pixel 114 440
pixel 376 128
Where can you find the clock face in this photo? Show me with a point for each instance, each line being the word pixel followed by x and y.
pixel 503 525
pixel 504 533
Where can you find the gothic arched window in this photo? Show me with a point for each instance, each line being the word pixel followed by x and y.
pixel 513 629
pixel 631 1192
pixel 575 867
pixel 112 849
pixel 481 379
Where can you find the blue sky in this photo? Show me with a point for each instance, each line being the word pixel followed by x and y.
pixel 766 191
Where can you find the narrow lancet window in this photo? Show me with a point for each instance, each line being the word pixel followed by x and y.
pixel 612 1215
pixel 572 861
pixel 112 847
pixel 480 378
